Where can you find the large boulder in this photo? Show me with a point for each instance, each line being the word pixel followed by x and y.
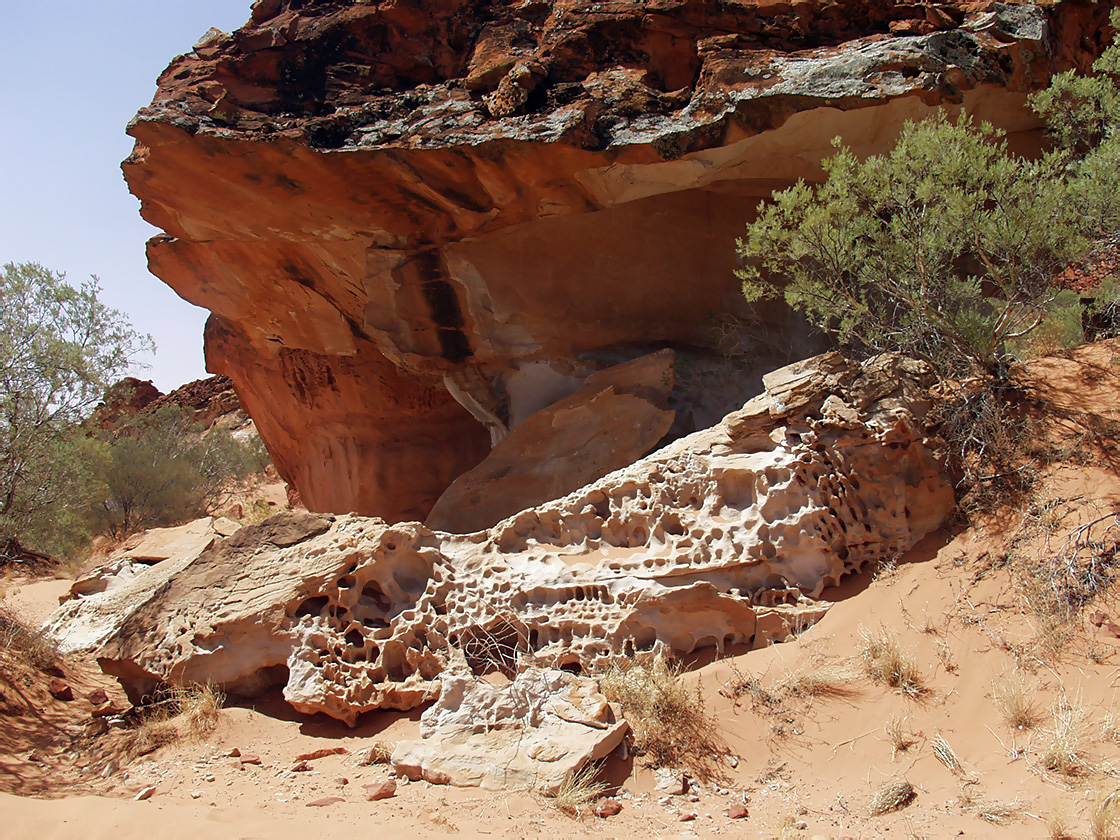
pixel 415 222
pixel 723 537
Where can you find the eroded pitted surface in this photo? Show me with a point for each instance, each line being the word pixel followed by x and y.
pixel 709 542
pixel 389 204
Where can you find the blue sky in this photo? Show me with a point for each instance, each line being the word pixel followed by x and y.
pixel 73 73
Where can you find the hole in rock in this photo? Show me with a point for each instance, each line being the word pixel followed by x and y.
pixel 572 668
pixel 355 639
pixel 373 594
pixel 312 606
pixel 495 647
pixel 346 582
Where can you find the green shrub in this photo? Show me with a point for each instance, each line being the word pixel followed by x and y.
pixel 162 469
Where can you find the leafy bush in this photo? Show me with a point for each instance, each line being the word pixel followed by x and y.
pixel 947 249
pixel 162 469
pixel 944 250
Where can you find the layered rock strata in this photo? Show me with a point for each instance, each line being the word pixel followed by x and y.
pixel 723 537
pixel 412 221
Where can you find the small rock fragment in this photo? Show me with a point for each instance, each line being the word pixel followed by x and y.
pixel 607 807
pixel 60 690
pixel 342 780
pixel 322 753
pixel 249 758
pixel 301 767
pixel 326 800
pixel 146 793
pixel 98 697
pixel 381 790
pixel 670 781
pixel 737 812
pixel 733 760
pixel 436 777
pixel 687 816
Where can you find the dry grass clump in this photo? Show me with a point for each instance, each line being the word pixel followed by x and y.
pixel 578 791
pixel 1105 815
pixel 378 753
pixel 30 646
pixel 892 796
pixel 898 736
pixel 1058 586
pixel 999 814
pixel 150 736
pixel 1057 822
pixel 947 756
pixel 191 711
pixel 668 723
pixel 827 680
pixel 1063 746
pixel 885 660
pixel 1014 702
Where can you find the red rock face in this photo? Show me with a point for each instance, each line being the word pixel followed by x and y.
pixel 387 204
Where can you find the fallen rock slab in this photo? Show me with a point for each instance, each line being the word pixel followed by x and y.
pixel 615 417
pixel 536 732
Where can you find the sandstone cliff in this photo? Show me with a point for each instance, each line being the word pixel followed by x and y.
pixel 418 223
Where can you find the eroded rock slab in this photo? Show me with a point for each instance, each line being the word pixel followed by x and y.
pixel 710 541
pixel 535 732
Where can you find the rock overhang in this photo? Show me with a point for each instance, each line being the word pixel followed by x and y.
pixel 500 201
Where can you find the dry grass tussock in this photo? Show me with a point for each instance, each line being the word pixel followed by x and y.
pixel 885 660
pixel 899 736
pixel 1104 815
pixel 1058 823
pixel 1062 749
pixel 892 796
pixel 192 711
pixel 28 645
pixel 579 791
pixel 668 723
pixel 1013 699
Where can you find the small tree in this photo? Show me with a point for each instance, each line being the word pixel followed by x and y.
pixel 60 347
pixel 945 249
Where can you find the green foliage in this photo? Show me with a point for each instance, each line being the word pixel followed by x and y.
pixel 1082 111
pixel 163 469
pixel 60 346
pixel 943 250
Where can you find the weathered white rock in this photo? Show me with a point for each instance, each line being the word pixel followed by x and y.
pixel 534 732
pixel 110 593
pixel 723 537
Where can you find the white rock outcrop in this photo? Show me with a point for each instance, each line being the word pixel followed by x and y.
pixel 723 537
pixel 534 732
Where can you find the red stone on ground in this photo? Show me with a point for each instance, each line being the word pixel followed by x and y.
pixel 607 808
pixel 381 790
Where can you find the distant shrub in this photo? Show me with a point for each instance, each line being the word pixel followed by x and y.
pixel 163 469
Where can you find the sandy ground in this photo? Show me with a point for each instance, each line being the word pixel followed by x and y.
pixel 807 764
